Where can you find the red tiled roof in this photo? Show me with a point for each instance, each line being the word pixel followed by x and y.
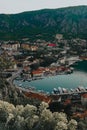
pixel 80 115
pixel 52 44
pixel 84 95
pixel 38 96
pixel 68 101
pixel 37 72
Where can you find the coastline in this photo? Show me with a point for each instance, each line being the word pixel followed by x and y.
pixel 83 58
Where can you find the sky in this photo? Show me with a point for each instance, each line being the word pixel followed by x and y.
pixel 17 6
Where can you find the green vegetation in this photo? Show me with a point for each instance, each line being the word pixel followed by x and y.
pixel 45 24
pixel 8 92
pixel 30 117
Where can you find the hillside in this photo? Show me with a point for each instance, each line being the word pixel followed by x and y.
pixel 45 24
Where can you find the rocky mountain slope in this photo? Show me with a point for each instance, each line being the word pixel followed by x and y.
pixel 45 24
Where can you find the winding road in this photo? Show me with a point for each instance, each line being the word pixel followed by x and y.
pixel 14 75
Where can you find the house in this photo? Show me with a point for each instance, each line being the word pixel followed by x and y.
pixel 37 73
pixel 59 37
pixel 52 45
pixel 11 46
pixel 39 96
pixel 84 99
pixel 34 48
pixel 26 69
pixel 25 46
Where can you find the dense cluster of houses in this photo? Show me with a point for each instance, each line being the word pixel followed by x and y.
pixel 60 53
pixel 30 56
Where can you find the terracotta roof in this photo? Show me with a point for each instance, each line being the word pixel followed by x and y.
pixel 38 96
pixel 84 95
pixel 80 115
pixel 37 72
pixel 68 101
pixel 52 44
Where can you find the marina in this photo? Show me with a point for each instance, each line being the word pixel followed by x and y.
pixel 69 81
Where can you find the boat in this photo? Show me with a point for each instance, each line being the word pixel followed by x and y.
pixel 68 71
pixel 72 90
pixel 60 90
pixel 81 88
pixel 55 90
pixel 20 85
pixel 64 90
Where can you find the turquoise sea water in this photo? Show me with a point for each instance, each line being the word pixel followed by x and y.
pixel 77 78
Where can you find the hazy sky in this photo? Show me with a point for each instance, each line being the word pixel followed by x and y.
pixel 16 6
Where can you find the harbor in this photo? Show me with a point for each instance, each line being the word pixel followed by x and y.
pixel 67 81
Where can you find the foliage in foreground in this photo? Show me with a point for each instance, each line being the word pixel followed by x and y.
pixel 30 117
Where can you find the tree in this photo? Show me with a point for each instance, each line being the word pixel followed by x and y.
pixel 28 118
pixel 72 124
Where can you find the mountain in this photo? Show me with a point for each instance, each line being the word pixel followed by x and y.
pixel 45 24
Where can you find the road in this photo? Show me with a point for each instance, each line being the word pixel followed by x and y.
pixel 14 75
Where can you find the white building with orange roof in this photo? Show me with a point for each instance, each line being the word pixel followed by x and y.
pixel 38 72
